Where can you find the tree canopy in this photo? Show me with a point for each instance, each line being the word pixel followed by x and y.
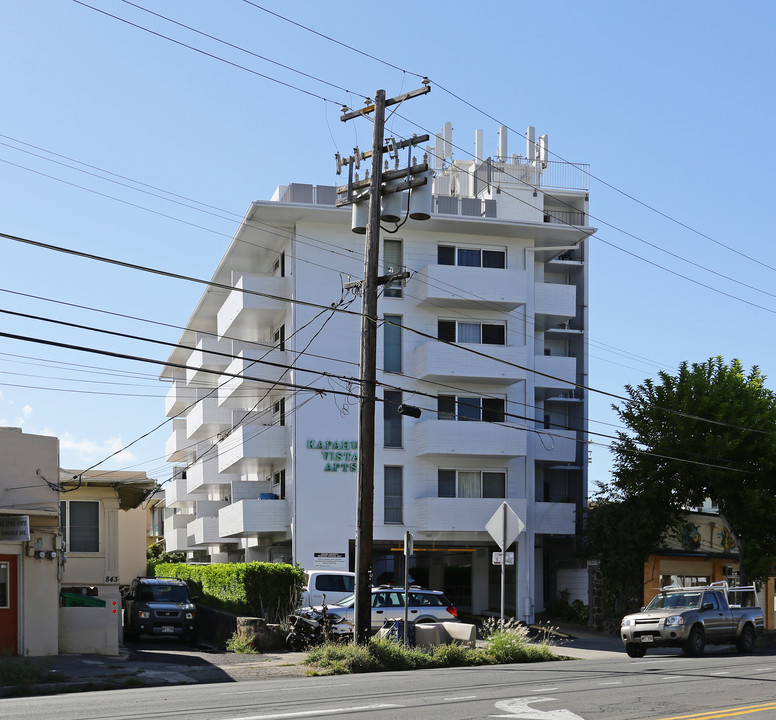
pixel 707 432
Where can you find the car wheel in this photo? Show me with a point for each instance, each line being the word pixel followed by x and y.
pixel 745 641
pixel 635 650
pixel 696 643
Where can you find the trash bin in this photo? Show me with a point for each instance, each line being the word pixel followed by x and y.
pixel 74 600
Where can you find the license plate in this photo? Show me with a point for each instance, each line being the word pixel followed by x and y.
pixel 647 638
pixel 168 628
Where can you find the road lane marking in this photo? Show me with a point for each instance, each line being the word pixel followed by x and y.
pixel 274 690
pixel 518 709
pixel 316 713
pixel 614 682
pixel 724 713
pixel 462 697
pixel 552 689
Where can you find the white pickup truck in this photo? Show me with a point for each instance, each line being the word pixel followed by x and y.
pixel 692 617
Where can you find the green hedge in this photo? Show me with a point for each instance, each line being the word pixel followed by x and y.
pixel 267 590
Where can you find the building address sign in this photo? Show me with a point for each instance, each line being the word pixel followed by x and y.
pixel 338 455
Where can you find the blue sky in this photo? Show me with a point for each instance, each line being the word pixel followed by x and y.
pixel 669 102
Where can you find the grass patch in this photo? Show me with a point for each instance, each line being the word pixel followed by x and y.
pixel 241 644
pixel 21 671
pixel 510 644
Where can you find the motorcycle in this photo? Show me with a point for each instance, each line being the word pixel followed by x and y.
pixel 314 626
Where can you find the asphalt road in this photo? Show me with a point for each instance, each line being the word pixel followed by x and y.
pixel 615 687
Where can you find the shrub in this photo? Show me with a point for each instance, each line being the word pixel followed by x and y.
pixel 241 645
pixel 255 589
pixel 510 645
pixel 575 612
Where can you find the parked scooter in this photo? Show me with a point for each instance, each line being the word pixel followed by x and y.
pixel 313 627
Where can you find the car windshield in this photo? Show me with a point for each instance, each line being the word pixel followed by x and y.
pixel 346 601
pixel 164 593
pixel 675 600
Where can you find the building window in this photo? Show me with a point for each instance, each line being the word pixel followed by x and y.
pixel 393 262
pixel 393 494
pixel 471 484
pixel 279 412
pixel 80 521
pixel 279 484
pixel 279 266
pixel 392 343
pixel 472 332
pixel 452 407
pixel 471 257
pixel 279 338
pixel 391 419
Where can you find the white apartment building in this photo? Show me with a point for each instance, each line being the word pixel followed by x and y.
pixel 263 396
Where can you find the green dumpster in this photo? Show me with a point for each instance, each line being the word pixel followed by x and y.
pixel 75 600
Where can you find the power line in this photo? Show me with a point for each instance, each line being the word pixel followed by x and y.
pixel 303 303
pixel 210 55
pixel 501 123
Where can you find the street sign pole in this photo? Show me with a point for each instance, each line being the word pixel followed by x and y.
pixel 503 562
pixel 407 553
pixel 504 526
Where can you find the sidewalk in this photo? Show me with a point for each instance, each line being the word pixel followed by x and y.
pixel 172 664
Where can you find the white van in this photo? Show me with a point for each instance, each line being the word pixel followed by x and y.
pixel 335 584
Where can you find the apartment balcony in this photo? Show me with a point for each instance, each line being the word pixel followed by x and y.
pixel 258 370
pixel 204 531
pixel 206 419
pixel 467 439
pixel 251 448
pixel 203 476
pixel 179 397
pixel 208 355
pixel 439 362
pixel 176 494
pixel 555 445
pixel 175 533
pixel 435 514
pixel 554 304
pixel 176 448
pixel 562 372
pixel 485 288
pixel 243 314
pixel 251 518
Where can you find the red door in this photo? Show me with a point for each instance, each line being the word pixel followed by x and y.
pixel 9 614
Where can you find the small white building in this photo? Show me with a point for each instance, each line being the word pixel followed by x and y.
pixel 104 529
pixel 67 539
pixel 30 543
pixel 264 386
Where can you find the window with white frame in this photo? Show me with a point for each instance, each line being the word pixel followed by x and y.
pixel 392 343
pixel 392 426
pixel 393 494
pixel 471 483
pixel 471 256
pixel 393 262
pixel 484 333
pixel 80 520
pixel 460 407
pixel 279 412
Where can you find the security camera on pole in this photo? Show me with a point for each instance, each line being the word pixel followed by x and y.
pixel 417 179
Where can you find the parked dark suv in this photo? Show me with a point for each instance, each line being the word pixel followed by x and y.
pixel 160 606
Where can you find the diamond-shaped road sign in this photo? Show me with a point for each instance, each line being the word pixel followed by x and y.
pixel 504 526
